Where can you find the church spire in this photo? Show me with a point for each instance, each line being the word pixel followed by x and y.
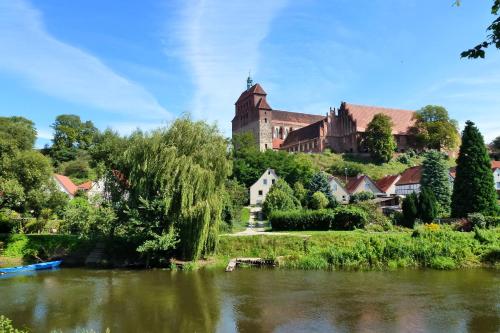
pixel 249 81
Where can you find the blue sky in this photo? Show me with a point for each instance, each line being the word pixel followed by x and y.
pixel 129 64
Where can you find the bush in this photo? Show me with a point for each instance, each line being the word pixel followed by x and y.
pixel 375 215
pixel 349 218
pixel 6 326
pixel 279 200
pixel 492 221
pixel 477 220
pixel 7 220
pixel 318 201
pixel 361 196
pixel 302 219
pixel 404 158
pixel 410 212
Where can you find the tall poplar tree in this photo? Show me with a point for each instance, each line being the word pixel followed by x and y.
pixel 379 139
pixel 435 178
pixel 473 190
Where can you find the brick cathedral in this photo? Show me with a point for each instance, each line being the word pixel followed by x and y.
pixel 340 130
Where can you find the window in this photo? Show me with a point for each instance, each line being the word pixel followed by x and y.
pixel 273 181
pixel 498 186
pixel 265 146
pixel 265 120
pixel 260 192
pixel 265 181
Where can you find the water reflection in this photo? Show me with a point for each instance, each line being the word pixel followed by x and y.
pixel 254 301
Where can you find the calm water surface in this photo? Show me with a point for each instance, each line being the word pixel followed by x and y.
pixel 254 301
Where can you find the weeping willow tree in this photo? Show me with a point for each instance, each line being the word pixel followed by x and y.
pixel 176 176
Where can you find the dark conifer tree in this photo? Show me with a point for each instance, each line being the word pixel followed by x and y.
pixel 435 178
pixel 410 210
pixel 427 205
pixel 473 189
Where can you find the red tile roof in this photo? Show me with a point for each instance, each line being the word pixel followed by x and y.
pixel 262 104
pixel 308 132
pixel 65 182
pixel 354 182
pixel 411 176
pixel 387 182
pixel 363 114
pixel 296 117
pixel 495 164
pixel 85 186
pixel 277 143
pixel 255 89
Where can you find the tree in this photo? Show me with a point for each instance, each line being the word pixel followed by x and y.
pixel 379 140
pixel 300 192
pixel 16 134
pixel 410 212
pixel 319 183
pixel 280 197
pixel 107 149
pixel 31 169
pixel 70 135
pixel 473 189
pixel 318 201
pixel 492 39
pixel 435 178
pixel 175 177
pixel 427 206
pixel 11 194
pixel 434 129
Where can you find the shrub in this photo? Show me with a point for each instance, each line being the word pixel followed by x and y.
pixel 441 262
pixel 7 220
pixel 302 219
pixel 6 326
pixel 404 158
pixel 318 201
pixel 361 196
pixel 279 200
pixel 349 218
pixel 477 220
pixel 492 221
pixel 375 215
pixel 427 205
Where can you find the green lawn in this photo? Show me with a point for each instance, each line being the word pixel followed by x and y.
pixel 242 223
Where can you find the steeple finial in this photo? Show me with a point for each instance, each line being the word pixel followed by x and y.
pixel 249 81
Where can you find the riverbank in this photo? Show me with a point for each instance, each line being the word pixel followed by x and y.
pixel 437 249
pixel 312 250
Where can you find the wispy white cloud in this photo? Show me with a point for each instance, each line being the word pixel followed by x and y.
pixel 220 41
pixel 62 70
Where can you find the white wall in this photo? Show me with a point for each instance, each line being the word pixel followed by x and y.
pixel 259 190
pixel 496 177
pixel 407 189
pixel 338 191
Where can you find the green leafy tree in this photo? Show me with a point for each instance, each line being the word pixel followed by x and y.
pixel 175 177
pixel 70 135
pixel 31 169
pixel 16 134
pixel 434 129
pixel 319 183
pixel 473 189
pixel 410 211
pixel 361 196
pixel 11 194
pixel 492 39
pixel 495 144
pixel 279 200
pixel 427 205
pixel 318 201
pixel 379 140
pixel 107 149
pixel 435 178
pixel 300 192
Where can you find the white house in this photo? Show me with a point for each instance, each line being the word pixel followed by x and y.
pixel 362 183
pixel 338 190
pixel 261 187
pixel 409 182
pixel 388 184
pixel 495 166
pixel 64 184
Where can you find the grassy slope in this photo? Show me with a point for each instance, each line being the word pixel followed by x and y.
pixel 241 225
pixel 376 171
pixel 364 250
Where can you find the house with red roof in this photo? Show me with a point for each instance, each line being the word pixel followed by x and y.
pixel 388 184
pixel 66 185
pixel 409 182
pixel 362 183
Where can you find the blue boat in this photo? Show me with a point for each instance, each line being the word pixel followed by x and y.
pixel 34 267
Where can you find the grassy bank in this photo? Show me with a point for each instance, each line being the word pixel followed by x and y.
pixel 17 249
pixel 442 249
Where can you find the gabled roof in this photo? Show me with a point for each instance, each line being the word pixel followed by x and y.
pixel 495 165
pixel 363 114
pixel 411 176
pixel 262 104
pixel 85 186
pixel 296 117
pixel 354 182
pixel 308 132
pixel 255 89
pixel 277 143
pixel 385 183
pixel 338 181
pixel 267 170
pixel 66 183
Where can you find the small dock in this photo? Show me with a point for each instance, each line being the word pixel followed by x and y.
pixel 233 263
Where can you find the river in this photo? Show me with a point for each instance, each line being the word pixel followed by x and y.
pixel 254 300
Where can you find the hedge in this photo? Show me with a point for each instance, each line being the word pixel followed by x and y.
pixel 341 218
pixel 302 219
